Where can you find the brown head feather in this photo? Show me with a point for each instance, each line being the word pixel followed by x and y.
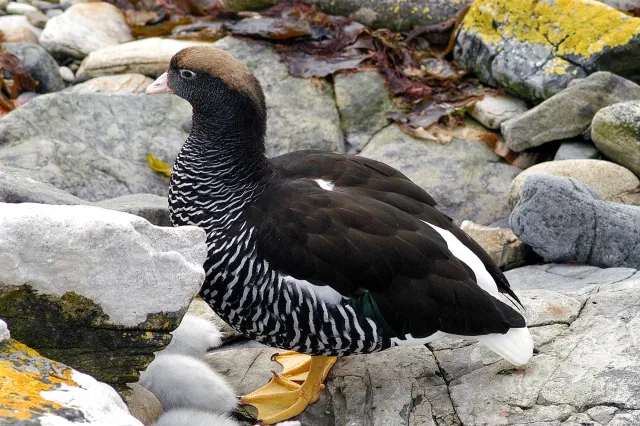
pixel 222 65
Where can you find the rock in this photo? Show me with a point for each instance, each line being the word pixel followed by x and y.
pixel 397 386
pixel 302 112
pixel 610 181
pixel 67 74
pixel 4 331
pixel 576 150
pixel 37 18
pixel 39 391
pixel 149 56
pixel 96 289
pixel 18 187
pixel 568 374
pixel 120 83
pixel 3 4
pixel 14 8
pixel 493 110
pixel 99 150
pixel 505 249
pixel 242 5
pixel 569 113
pixel 154 208
pixel 466 178
pixel 392 14
pixel 52 13
pixel 41 65
pixel 84 28
pixel 363 103
pixel 143 405
pixel 18 29
pixel 533 49
pixel 616 132
pixel 564 220
pixel 622 5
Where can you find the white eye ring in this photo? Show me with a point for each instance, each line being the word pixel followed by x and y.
pixel 187 74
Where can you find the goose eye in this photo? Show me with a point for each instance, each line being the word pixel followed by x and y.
pixel 187 75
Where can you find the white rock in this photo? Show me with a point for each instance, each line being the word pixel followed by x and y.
pixel 84 28
pixel 492 110
pixel 121 262
pixel 3 4
pixel 18 29
pixel 180 381
pixel 623 5
pixel 99 403
pixel 4 331
pixel 66 74
pixel 14 8
pixel 120 83
pixel 150 56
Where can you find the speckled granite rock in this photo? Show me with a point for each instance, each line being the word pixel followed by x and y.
pixel 564 220
pixel 37 391
pixel 616 132
pixel 576 150
pixel 97 289
pixel 533 48
pixel 610 181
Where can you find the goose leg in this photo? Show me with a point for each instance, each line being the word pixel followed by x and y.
pixel 282 398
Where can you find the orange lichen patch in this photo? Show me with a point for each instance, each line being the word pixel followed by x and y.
pixel 573 27
pixel 24 374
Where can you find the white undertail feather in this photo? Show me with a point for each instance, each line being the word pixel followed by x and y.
pixel 191 417
pixel 516 345
pixel 194 336
pixel 180 381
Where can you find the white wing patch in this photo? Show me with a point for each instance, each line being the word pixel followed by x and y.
pixel 463 253
pixel 322 292
pixel 325 184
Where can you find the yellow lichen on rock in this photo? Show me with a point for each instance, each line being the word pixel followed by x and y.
pixel 24 374
pixel 574 27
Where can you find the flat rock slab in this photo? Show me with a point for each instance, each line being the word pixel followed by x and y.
pixel 533 48
pixel 95 145
pixel 569 113
pixel 616 132
pixel 149 56
pixel 83 28
pixel 119 83
pixel 564 220
pixel 37 391
pixel 466 178
pixel 97 289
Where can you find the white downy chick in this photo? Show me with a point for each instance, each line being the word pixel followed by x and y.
pixel 194 336
pixel 180 381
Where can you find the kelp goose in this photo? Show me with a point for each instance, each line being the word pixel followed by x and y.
pixel 320 253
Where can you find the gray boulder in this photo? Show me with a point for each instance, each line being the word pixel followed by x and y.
pixel 569 113
pixel 576 150
pixel 564 220
pixel 363 103
pixel 96 289
pixel 41 65
pixel 466 178
pixel 616 132
pixel 534 50
pixel 95 145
